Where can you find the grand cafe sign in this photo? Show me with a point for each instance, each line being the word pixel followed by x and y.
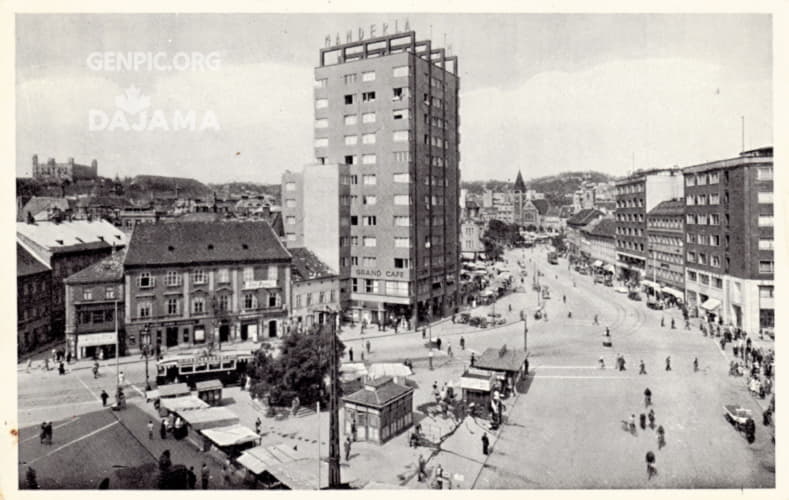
pixel 372 32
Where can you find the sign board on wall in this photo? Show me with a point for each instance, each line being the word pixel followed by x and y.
pixel 91 339
pixel 257 284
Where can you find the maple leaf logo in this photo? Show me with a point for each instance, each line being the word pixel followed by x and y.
pixel 132 101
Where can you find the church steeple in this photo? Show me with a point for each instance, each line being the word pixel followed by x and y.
pixel 520 186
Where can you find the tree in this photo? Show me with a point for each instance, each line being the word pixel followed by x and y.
pixel 299 369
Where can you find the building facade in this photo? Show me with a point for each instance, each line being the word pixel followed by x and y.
pixel 33 300
pixel 315 290
pixel 598 241
pixel 94 309
pixel 205 283
pixel 729 240
pixel 388 108
pixel 69 171
pixel 635 196
pixel 665 267
pixel 471 245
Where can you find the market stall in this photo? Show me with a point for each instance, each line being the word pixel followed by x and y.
pixel 179 404
pixel 381 410
pixel 230 439
pixel 210 391
pixel 509 366
pixel 476 387
pixel 207 418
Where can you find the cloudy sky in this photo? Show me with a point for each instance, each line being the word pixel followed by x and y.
pixel 544 93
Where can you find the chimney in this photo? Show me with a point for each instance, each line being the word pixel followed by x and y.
pixel 35 162
pixel 71 162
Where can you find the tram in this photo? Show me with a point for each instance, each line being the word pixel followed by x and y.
pixel 226 366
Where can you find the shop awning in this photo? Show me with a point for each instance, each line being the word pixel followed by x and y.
pixel 597 263
pixel 711 304
pixel 650 284
pixel 174 390
pixel 230 435
pixel 673 292
pixel 377 370
pixel 209 417
pixel 259 458
pixel 183 403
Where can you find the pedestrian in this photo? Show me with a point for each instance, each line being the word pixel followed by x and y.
pixel 350 354
pixel 651 469
pixel 569 314
pixel 421 469
pixel 424 333
pixel 449 349
pixel 651 416
pixel 643 421
pixel 95 369
pixel 43 433
pixel 68 357
pixel 662 322
pixel 473 358
pixel 150 429
pixel 29 365
pixel 695 364
pixel 632 423
pixel 462 344
pixel 368 347
pixel 453 318
pixel 191 478
pixel 354 430
pixel 438 476
pixel 104 397
pixel 430 359
pixel 661 437
pixel 49 432
pixel 642 368
pixel 258 424
pixel 596 322
pixel 438 343
pixel 602 363
pixel 607 332
pixel 668 363
pixel 204 475
pixel 687 324
pixel 647 397
pixel 673 324
pixel 485 444
pixel 121 379
pixel 564 299
pixel 163 429
pixel 347 448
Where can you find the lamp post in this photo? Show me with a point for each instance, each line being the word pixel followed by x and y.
pixel 146 342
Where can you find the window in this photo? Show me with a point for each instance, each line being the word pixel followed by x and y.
pixel 691 256
pixel 369 200
pixel 368 138
pixel 172 306
pixel 690 200
pixel 109 292
pixel 765 244
pixel 223 275
pixel 714 177
pixel 717 282
pixel 766 221
pixel 348 99
pixel 321 297
pixel 704 279
pixel 368 96
pixel 715 199
pixel 764 173
pixel 350 119
pixel 701 199
pixel 309 298
pixel 400 114
pixel 369 241
pixel 224 302
pixel 402 221
pixel 370 286
pixel 349 78
pixel 321 103
pixel 272 273
pixel 715 220
pixel 250 301
pixel 368 180
pixel 322 123
pixel 368 117
pixel 715 240
pixel 351 140
pixel 298 300
pixel 402 199
pixel 701 179
pixel 321 84
pixel 290 220
pixel 354 284
pixel 172 278
pixel 400 71
pixel 369 220
pixel 402 156
pixel 143 309
pixel 368 261
pixel 715 261
pixel 144 280
pixel 691 275
pixel 354 220
pixel 400 242
pixel 691 219
pixel 368 76
pixel 332 295
pixel 400 136
pixel 766 266
pixel 401 263
pixel 322 142
pixel 399 93
pixel 402 178
pixel 290 186
pixel 766 292
pixel 198 305
pixel 368 159
pixel 765 197
pixel 290 203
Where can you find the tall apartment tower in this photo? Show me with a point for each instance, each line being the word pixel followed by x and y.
pixel 388 108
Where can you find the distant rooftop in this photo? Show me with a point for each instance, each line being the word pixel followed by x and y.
pixel 71 235
pixel 307 266
pixel 105 270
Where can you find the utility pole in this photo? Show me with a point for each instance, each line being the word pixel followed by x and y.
pixel 334 415
pixel 525 333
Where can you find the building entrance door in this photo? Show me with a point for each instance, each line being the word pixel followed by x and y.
pixel 272 328
pixel 171 338
pixel 224 333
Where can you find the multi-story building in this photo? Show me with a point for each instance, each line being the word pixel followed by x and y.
pixel 68 247
pixel 205 283
pixel 94 309
pixel 471 245
pixel 665 266
pixel 315 290
pixel 388 108
pixel 33 300
pixel 729 222
pixel 635 196
pixel 597 241
pixel 69 171
pixel 577 242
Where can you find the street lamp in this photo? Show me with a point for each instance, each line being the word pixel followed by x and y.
pixel 146 349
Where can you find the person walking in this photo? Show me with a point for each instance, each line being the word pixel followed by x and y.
pixel 258 424
pixel 651 469
pixel 668 363
pixel 596 321
pixel 602 363
pixel 204 475
pixel 430 359
pixel 347 448
pixel 673 324
pixel 43 432
pixel 651 417
pixel 449 349
pixel 368 347
pixel 163 429
pixel 462 344
pixel 104 397
pixel 150 429
pixel 191 478
pixel 485 443
pixel 438 343
pixel 695 364
pixel 647 397
pixel 421 474
pixel 642 368
pixel 350 354
pixel 661 437
pixel 662 322
pixel 29 365
pixel 95 369
pixel 49 432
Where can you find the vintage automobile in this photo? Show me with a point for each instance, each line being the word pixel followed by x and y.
pixel 634 295
pixel 742 420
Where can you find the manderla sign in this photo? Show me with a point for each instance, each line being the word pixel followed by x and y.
pixel 372 32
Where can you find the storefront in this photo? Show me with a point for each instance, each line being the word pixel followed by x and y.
pixel 96 345
pixel 508 365
pixel 476 389
pixel 381 410
pixel 711 308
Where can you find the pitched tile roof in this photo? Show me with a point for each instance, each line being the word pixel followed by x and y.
pixel 542 206
pixel 566 211
pixel 306 265
pixel 71 235
pixel 378 393
pixel 604 228
pixel 204 242
pixel 668 207
pixel 39 204
pixel 27 263
pixel 109 269
pixel 501 359
pixel 584 217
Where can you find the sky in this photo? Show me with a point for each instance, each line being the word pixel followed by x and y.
pixel 540 93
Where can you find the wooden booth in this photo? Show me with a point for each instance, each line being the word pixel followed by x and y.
pixel 509 366
pixel 210 391
pixel 381 409
pixel 477 388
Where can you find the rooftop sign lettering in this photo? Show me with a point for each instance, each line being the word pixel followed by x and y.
pixel 372 32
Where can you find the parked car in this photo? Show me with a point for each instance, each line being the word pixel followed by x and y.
pixel 463 317
pixel 633 295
